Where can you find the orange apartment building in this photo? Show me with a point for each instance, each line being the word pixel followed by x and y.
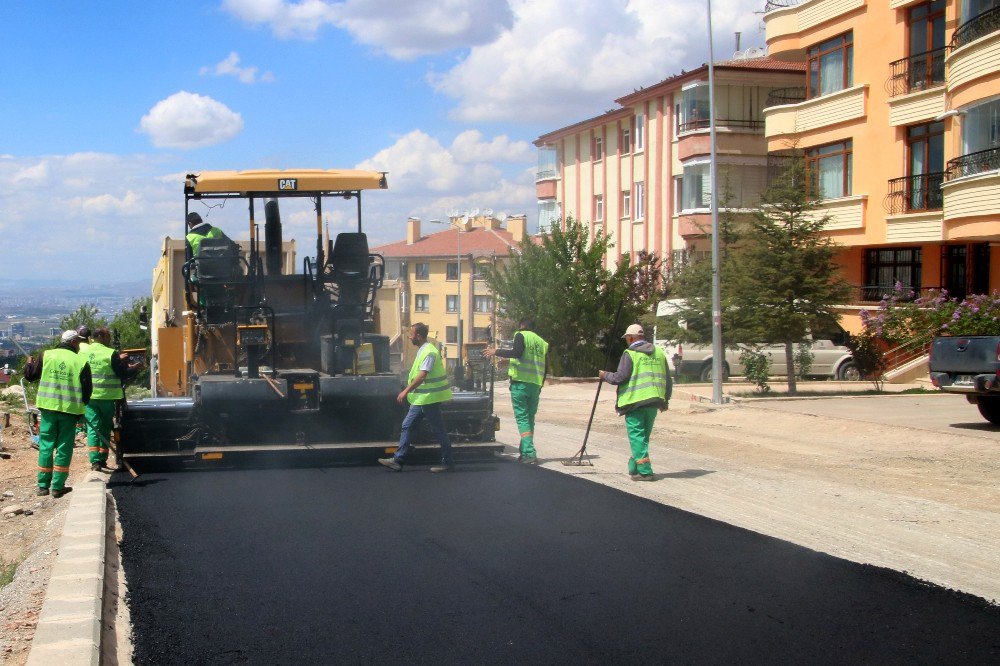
pixel 899 123
pixel 640 172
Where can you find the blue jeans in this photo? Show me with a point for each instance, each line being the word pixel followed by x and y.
pixel 412 421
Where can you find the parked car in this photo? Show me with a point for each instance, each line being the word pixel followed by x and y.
pixel 831 359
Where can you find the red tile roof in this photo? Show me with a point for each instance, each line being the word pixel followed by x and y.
pixel 476 241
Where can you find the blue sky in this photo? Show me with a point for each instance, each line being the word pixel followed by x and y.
pixel 104 107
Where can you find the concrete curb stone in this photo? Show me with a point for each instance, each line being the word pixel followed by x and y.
pixel 69 627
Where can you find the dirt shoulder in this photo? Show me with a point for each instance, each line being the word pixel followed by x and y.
pixel 903 497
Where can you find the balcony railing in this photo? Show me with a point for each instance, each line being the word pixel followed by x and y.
pixel 780 4
pixel 918 72
pixel 976 27
pixel 729 123
pixel 973 163
pixel 873 293
pixel 915 193
pixel 780 96
pixel 545 174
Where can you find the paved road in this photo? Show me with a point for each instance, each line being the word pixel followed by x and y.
pixel 941 412
pixel 498 563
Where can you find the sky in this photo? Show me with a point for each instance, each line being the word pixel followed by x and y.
pixel 104 107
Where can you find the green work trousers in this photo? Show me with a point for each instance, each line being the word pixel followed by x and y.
pixel 99 415
pixel 524 396
pixel 55 448
pixel 639 424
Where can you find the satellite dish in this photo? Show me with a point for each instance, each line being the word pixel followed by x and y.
pixel 475 212
pixel 488 212
pixel 453 213
pixel 502 217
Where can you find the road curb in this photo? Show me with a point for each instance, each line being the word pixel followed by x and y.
pixel 69 626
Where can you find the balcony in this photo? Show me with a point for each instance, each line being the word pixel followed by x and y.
pixel 913 194
pixel 973 63
pixel 917 72
pixel 978 26
pixel 788 23
pixel 818 112
pixel 721 123
pixel 973 164
pixel 782 96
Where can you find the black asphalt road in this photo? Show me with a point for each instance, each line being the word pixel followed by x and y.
pixel 499 563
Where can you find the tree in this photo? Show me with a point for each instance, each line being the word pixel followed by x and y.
pixel 778 274
pixel 130 336
pixel 577 304
pixel 85 315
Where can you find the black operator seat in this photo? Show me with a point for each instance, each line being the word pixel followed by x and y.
pixel 218 261
pixel 349 257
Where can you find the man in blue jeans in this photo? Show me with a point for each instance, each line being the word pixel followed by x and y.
pixel 427 388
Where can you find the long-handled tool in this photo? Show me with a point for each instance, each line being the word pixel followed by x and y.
pixel 33 416
pixel 577 459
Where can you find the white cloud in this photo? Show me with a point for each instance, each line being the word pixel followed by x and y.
pixel 230 66
pixel 561 56
pixel 188 120
pixel 401 29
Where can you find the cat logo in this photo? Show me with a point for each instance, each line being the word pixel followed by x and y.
pixel 288 183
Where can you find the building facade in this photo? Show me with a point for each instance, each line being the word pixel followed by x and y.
pixel 899 123
pixel 436 279
pixel 640 173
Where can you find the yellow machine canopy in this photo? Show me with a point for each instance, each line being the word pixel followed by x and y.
pixel 276 182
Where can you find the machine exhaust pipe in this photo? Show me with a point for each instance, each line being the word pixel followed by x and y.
pixel 272 237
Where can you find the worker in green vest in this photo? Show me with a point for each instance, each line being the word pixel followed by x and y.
pixel 109 369
pixel 84 332
pixel 64 389
pixel 427 387
pixel 198 231
pixel 527 374
pixel 644 387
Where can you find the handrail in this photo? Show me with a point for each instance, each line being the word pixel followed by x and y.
pixel 976 27
pixel 903 353
pixel 973 163
pixel 780 4
pixel 703 123
pixel 789 95
pixel 916 72
pixel 914 193
pixel 873 293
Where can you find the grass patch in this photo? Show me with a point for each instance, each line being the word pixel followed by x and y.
pixel 7 570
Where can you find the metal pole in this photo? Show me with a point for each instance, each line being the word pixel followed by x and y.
pixel 459 257
pixel 717 353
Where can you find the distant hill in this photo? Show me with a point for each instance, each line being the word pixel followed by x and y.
pixel 75 289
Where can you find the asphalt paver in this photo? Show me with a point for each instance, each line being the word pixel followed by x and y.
pixel 498 563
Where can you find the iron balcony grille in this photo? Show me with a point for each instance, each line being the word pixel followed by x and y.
pixel 780 96
pixel 780 4
pixel 976 27
pixel 703 123
pixel 973 163
pixel 915 193
pixel 917 72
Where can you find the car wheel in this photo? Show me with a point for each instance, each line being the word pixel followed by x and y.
pixel 706 372
pixel 849 372
pixel 989 407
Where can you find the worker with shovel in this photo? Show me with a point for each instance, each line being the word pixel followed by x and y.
pixel 527 374
pixel 644 387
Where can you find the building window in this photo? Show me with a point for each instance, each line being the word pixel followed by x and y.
pixel 599 208
pixel 546 163
pixel 640 201
pixel 925 45
pixel 696 187
pixel 481 334
pixel 451 334
pixel 482 304
pixel 598 149
pixel 452 270
pixel 640 132
pixel 626 204
pixel 925 166
pixel 548 215
pixel 981 128
pixel 421 271
pixel 626 140
pixel 451 303
pixel 884 267
pixel 831 66
pixel 421 303
pixel 829 169
pixel 693 109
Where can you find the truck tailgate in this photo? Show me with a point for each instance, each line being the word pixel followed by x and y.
pixel 973 354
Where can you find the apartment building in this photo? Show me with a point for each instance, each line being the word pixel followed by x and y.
pixel 436 278
pixel 899 123
pixel 640 172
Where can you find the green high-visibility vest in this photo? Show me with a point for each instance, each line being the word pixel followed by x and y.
pixel 82 351
pixel 648 379
pixel 435 387
pixel 107 385
pixel 530 367
pixel 59 389
pixel 194 238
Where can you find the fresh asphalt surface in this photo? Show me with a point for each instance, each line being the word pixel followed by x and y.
pixel 498 563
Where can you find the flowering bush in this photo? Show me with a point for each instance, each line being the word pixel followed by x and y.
pixel 901 317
